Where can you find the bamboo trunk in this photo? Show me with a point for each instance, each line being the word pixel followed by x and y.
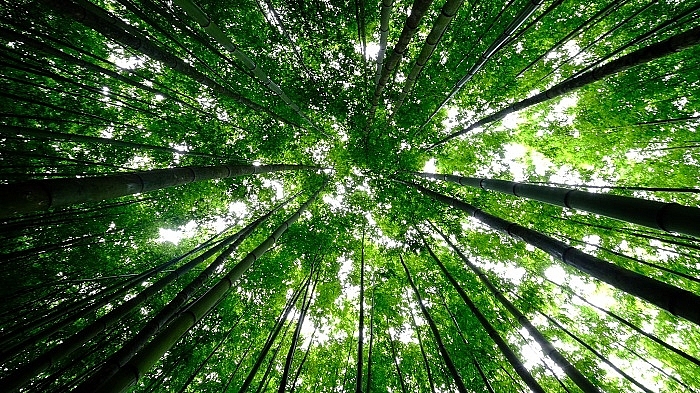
pixel 173 308
pixel 42 195
pixel 447 13
pixel 491 331
pixel 60 136
pixel 149 355
pixel 675 300
pixel 306 302
pixel 111 27
pixel 22 375
pixel 371 344
pixel 361 319
pixel 669 217
pixel 396 363
pixel 383 34
pixel 547 348
pixel 213 30
pixel 651 52
pixel 273 335
pixel 418 9
pixel 596 353
pixel 426 363
pixel 436 334
pixel 496 45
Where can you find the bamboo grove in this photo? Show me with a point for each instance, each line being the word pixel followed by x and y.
pixel 324 196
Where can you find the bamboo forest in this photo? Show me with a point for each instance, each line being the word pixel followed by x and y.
pixel 349 196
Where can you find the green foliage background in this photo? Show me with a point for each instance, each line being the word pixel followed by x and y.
pixel 635 129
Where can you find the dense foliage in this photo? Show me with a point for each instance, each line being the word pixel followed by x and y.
pixel 363 262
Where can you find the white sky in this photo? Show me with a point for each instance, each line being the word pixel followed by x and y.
pixel 174 236
pixel 430 166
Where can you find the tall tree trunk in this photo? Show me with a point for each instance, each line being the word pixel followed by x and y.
pixel 103 297
pixel 418 9
pixel 600 38
pixel 665 24
pixel 371 344
pixel 111 27
pixel 632 326
pixel 630 188
pixel 447 13
pixel 361 322
pixel 281 321
pixel 596 353
pixel 619 254
pixel 303 361
pixel 346 370
pixel 670 217
pixel 436 334
pixel 394 357
pixel 75 341
pixel 42 195
pixel 519 19
pixel 662 237
pixel 640 56
pixel 383 34
pixel 213 30
pixel 306 302
pixel 483 376
pixel 173 308
pixel 502 345
pixel 211 354
pixel 547 348
pixel 603 12
pixel 658 368
pixel 51 51
pixel 161 343
pixel 675 300
pixel 265 380
pixel 424 355
pixel 235 370
pixel 279 23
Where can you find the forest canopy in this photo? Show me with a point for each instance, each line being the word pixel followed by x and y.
pixel 325 196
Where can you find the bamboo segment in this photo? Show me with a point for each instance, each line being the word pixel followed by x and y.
pixel 448 12
pixel 643 55
pixel 675 300
pixel 42 195
pixel 669 217
pixel 419 8
pixel 579 379
pixel 170 335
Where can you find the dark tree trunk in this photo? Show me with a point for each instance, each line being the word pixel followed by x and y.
pixel 547 348
pixel 491 331
pixel 396 363
pixel 418 9
pixel 37 195
pixel 596 353
pixel 306 302
pixel 675 300
pixel 436 334
pixel 670 217
pixel 161 343
pixel 499 43
pixel 640 56
pixel 361 327
pixel 371 344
